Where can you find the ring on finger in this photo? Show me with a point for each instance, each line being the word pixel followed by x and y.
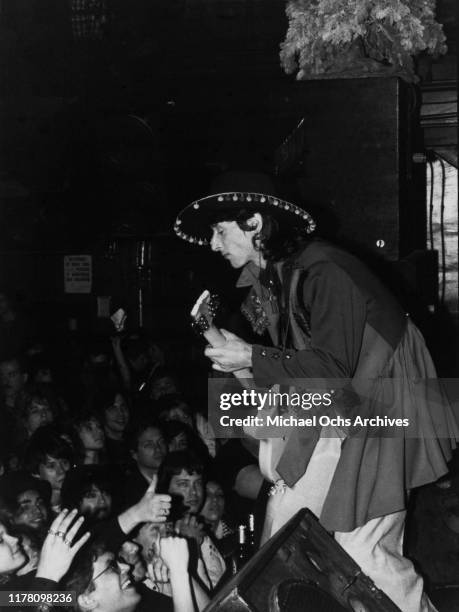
pixel 60 534
pixel 66 541
pixel 51 532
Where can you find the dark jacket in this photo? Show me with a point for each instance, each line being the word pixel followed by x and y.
pixel 335 320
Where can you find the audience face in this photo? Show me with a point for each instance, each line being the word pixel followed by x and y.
pixel 178 443
pixel 43 375
pixel 38 413
pixel 54 471
pixel 151 449
pixel 12 378
pixel 214 505
pixel 117 415
pixel 140 363
pixel 92 435
pixel 96 503
pixel 12 556
pixel 112 589
pixel 190 487
pixel 148 538
pixel 180 413
pixel 165 385
pixel 32 510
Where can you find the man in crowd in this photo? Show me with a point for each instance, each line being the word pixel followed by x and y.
pixel 148 449
pixel 101 583
pixel 89 489
pixel 27 500
pixel 330 318
pixel 182 476
pixel 13 377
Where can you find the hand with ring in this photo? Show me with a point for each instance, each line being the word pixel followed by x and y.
pixel 59 548
pixel 153 507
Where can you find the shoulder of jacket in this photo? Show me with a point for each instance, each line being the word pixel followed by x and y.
pixel 316 252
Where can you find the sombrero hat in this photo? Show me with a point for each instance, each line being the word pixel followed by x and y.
pixel 233 191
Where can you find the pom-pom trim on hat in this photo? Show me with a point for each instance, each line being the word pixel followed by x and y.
pixel 239 198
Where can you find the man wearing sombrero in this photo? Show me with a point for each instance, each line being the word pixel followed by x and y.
pixel 328 317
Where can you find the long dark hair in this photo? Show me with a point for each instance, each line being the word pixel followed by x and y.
pixel 276 239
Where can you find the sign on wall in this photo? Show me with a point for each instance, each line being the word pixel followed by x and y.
pixel 77 273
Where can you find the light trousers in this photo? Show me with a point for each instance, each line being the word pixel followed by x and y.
pixel 376 546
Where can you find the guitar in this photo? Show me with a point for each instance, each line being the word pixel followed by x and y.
pixel 203 314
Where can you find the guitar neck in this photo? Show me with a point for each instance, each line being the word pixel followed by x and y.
pixel 214 336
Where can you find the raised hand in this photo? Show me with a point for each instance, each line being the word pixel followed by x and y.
pixel 153 507
pixel 190 527
pixel 174 552
pixel 157 570
pixel 59 548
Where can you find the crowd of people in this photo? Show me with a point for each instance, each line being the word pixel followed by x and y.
pixel 112 485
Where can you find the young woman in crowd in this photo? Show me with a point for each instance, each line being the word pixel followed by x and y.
pixel 37 408
pixel 213 510
pixel 88 438
pixel 49 456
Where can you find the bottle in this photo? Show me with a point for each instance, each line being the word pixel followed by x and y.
pixel 251 540
pixel 242 555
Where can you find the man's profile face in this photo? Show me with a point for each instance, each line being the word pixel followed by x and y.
pixel 113 590
pixel 31 510
pixel 234 244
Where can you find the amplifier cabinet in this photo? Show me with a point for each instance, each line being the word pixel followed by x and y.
pixel 302 551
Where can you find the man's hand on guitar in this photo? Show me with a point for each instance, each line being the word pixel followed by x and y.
pixel 234 355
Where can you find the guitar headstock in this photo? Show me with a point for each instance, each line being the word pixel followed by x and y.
pixel 203 312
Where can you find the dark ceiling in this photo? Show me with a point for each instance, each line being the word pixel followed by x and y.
pixel 100 132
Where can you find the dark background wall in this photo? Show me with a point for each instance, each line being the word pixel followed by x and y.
pixel 104 140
